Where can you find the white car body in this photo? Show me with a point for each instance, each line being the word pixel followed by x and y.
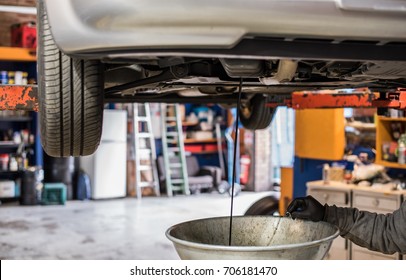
pixel 231 52
pixel 83 26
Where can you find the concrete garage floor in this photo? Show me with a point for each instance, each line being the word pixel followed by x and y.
pixel 109 229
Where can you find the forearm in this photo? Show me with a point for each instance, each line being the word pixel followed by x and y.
pixel 378 232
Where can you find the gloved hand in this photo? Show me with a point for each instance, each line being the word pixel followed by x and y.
pixel 307 208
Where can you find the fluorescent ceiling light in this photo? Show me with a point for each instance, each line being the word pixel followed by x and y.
pixel 18 9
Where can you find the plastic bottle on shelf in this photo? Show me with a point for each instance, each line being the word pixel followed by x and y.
pixel 4 161
pixel 11 75
pixel 18 77
pixel 25 78
pixel 3 77
pixel 326 169
pixel 402 149
pixel 13 164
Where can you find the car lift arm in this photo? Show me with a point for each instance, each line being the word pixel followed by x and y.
pixel 361 99
pixel 15 97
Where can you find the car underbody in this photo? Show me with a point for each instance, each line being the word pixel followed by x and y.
pixel 207 77
pixel 266 66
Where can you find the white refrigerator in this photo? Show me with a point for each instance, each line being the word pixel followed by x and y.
pixel 107 166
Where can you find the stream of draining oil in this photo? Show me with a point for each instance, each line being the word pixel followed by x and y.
pixel 236 142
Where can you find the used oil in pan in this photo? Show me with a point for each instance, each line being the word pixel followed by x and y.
pixel 234 163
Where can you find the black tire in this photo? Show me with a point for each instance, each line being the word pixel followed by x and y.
pixel 256 115
pixel 70 93
pixel 268 205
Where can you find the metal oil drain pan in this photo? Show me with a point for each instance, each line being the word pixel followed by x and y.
pixel 253 237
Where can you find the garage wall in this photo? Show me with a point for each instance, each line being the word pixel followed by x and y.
pixel 7 19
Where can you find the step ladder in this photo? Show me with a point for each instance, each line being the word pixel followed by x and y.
pixel 173 150
pixel 144 150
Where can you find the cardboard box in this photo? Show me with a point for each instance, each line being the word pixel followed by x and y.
pixel 7 188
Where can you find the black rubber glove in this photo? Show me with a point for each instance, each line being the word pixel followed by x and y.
pixel 307 208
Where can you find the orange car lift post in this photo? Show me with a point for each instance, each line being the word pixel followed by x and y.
pixel 361 98
pixel 15 97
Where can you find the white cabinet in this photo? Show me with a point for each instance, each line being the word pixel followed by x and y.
pixel 377 201
pixel 363 198
pixel 333 194
pixel 360 253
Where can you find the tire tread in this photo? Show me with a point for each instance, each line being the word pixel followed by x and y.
pixel 71 98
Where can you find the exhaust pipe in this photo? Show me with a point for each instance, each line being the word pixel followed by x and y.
pixel 286 72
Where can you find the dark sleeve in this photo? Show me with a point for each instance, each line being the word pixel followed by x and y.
pixel 377 232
